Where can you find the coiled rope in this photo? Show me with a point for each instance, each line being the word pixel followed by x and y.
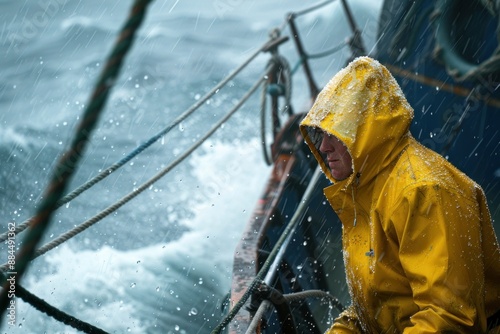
pixel 80 228
pixel 69 160
pixel 290 228
pixel 283 71
pixel 283 76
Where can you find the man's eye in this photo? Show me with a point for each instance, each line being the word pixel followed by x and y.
pixel 320 133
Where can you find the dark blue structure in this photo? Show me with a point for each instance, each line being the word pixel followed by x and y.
pixel 444 55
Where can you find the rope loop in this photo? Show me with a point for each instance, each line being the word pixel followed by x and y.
pixel 278 84
pixel 265 296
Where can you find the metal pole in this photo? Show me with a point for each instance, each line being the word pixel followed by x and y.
pixel 356 43
pixel 303 56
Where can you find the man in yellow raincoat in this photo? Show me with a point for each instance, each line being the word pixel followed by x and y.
pixel 420 252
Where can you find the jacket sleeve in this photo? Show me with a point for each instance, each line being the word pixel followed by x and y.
pixel 346 323
pixel 440 250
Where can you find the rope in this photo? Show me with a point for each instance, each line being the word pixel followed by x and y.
pixel 44 307
pixel 292 297
pixel 318 55
pixel 328 52
pixel 68 235
pixel 258 278
pixel 280 67
pixel 457 64
pixel 105 173
pixel 69 160
pixel 259 314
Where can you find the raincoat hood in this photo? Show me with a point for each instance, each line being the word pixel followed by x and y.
pixel 364 107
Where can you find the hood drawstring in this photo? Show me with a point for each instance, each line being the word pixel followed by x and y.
pixel 356 182
pixel 371 252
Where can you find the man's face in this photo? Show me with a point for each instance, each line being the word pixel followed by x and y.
pixel 338 158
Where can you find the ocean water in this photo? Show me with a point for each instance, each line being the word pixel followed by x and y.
pixel 161 263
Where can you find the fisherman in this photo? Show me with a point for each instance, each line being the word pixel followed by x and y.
pixel 420 251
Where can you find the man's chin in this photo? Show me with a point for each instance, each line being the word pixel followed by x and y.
pixel 338 177
pixel 335 175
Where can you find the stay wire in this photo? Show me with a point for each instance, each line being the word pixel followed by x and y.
pixel 303 12
pixel 69 160
pixel 313 8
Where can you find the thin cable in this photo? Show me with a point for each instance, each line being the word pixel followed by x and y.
pixel 303 12
pixel 328 52
pixel 313 8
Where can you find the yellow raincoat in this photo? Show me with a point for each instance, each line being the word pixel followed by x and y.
pixel 420 252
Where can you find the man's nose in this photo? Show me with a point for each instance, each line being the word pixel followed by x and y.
pixel 325 146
